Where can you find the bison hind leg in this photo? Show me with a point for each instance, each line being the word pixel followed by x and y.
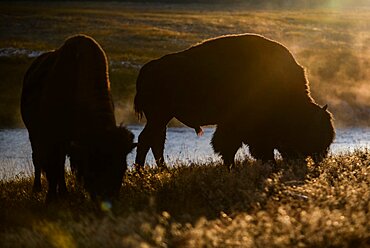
pixel 152 137
pixel 226 144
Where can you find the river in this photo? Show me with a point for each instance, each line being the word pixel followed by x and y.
pixel 182 146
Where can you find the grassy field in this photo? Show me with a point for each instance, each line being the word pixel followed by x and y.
pixel 203 205
pixel 332 44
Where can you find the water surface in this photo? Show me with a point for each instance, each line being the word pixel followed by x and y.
pixel 182 145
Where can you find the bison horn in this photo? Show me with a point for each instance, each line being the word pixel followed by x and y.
pixel 325 107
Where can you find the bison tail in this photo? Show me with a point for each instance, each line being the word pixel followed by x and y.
pixel 139 106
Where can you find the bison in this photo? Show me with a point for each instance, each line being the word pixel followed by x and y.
pixel 67 108
pixel 251 87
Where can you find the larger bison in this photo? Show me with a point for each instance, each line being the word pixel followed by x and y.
pixel 250 86
pixel 67 108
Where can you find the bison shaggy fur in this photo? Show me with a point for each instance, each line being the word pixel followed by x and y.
pixel 67 108
pixel 251 87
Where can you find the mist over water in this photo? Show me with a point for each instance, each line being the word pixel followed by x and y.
pixel 182 146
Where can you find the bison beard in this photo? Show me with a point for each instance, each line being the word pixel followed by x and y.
pixel 251 87
pixel 67 108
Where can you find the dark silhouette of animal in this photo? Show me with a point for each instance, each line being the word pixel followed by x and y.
pixel 250 86
pixel 67 108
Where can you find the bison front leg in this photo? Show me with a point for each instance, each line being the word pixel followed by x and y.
pixel 52 178
pixel 289 155
pixel 54 170
pixel 37 166
pixel 226 144
pixel 36 160
pixel 262 152
pixel 62 187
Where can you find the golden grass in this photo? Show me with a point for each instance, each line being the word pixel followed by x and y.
pixel 203 205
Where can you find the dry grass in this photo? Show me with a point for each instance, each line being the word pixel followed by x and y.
pixel 202 205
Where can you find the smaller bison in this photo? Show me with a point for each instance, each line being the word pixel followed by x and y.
pixel 251 87
pixel 67 108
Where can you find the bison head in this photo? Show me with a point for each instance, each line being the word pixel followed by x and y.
pixel 319 134
pixel 101 162
pixel 312 134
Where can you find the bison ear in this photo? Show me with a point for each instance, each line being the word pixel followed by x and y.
pixel 325 107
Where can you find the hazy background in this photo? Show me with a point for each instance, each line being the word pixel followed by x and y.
pixel 329 38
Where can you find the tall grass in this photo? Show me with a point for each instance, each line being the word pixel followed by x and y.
pixel 331 44
pixel 203 205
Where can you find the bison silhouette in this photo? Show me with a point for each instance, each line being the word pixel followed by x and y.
pixel 250 86
pixel 67 108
